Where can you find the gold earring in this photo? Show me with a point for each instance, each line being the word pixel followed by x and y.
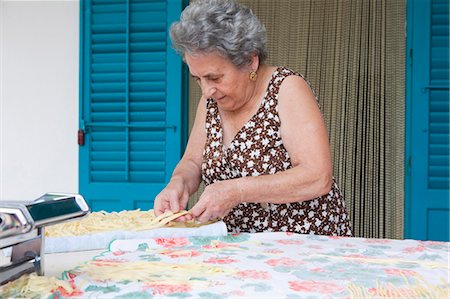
pixel 253 75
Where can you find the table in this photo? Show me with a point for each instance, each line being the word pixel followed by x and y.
pixel 266 265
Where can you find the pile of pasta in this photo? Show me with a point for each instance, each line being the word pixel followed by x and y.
pixel 33 286
pixel 134 220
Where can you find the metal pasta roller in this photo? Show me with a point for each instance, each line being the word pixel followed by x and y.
pixel 22 229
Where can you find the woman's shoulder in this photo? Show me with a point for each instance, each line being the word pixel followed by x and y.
pixel 292 82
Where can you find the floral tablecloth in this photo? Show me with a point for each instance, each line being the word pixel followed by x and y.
pixel 265 265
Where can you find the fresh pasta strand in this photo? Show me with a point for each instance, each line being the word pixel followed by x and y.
pixel 148 271
pixel 388 290
pixel 134 220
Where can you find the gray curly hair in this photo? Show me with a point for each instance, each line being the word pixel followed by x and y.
pixel 221 26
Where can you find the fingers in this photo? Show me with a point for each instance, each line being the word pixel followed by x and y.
pixel 185 218
pixel 165 201
pixel 174 204
pixel 159 207
pixel 184 199
pixel 201 213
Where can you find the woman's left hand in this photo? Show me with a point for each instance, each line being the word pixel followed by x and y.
pixel 217 200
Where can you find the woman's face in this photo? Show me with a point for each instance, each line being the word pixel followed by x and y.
pixel 221 80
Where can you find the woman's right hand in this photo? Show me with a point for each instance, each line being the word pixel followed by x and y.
pixel 173 197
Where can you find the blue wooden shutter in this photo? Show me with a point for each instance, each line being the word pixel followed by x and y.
pixel 428 189
pixel 130 101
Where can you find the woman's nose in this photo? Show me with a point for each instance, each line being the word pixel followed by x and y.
pixel 208 91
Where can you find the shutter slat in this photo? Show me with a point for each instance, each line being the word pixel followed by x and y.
pixel 147 106
pixel 147 166
pixel 438 183
pixel 109 48
pixel 109 146
pixel 439 160
pixel 142 96
pixel 108 156
pixel 148 86
pixel 98 88
pixel 108 97
pixel 108 165
pixel 148 67
pixel 148 57
pixel 149 6
pixel 439 128
pixel 108 116
pixel 109 38
pixel 154 176
pixel 439 171
pixel 147 156
pixel 107 176
pixel 147 146
pixel 146 16
pixel 150 116
pixel 147 37
pixel 108 107
pixel 109 8
pixel 439 116
pixel 144 135
pixel 118 18
pixel 147 27
pixel 438 138
pixel 107 29
pixel 147 76
pixel 439 149
pixel 98 68
pixel 150 46
pixel 108 77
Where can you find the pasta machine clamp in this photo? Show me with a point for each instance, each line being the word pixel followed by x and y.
pixel 22 229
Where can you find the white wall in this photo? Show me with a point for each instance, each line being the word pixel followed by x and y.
pixel 38 97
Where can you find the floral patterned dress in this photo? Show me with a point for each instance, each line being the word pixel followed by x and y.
pixel 257 149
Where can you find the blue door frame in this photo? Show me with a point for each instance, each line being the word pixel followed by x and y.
pixel 427 121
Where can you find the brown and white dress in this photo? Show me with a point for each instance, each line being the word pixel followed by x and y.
pixel 257 149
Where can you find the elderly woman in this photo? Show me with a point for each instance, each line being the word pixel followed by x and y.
pixel 258 141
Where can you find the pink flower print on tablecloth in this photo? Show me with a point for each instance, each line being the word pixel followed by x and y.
pixel 414 249
pixel 172 242
pixel 291 242
pixel 118 252
pixel 180 253
pixel 236 293
pixel 161 288
pixel 220 245
pixel 323 287
pixel 273 251
pixel 220 260
pixel 284 262
pixel 377 241
pixel 254 274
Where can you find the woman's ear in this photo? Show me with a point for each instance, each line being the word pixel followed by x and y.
pixel 254 65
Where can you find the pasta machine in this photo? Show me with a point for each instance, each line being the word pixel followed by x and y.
pixel 22 229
